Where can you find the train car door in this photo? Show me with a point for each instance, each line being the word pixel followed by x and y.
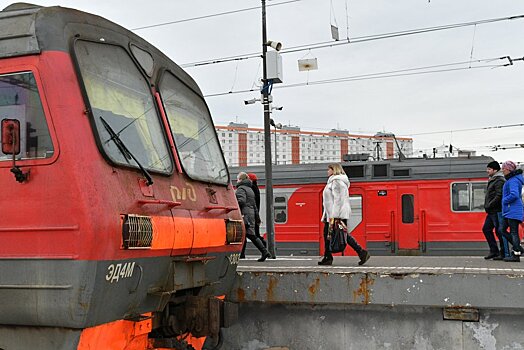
pixel 408 219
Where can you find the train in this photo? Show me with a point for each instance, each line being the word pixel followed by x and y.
pixel 120 227
pixel 414 206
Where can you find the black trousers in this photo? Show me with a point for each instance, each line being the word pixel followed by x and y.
pixel 257 241
pixel 351 241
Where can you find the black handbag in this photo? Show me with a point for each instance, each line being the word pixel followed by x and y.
pixel 337 236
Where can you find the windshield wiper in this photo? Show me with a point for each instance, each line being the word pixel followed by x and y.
pixel 125 151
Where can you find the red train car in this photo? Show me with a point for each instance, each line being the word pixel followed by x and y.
pixel 120 227
pixel 410 207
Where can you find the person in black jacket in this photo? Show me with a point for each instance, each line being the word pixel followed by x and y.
pixel 254 185
pixel 493 207
pixel 246 202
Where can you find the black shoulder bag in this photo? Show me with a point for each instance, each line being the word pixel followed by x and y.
pixel 337 236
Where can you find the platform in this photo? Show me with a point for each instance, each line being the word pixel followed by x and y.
pixel 389 303
pixel 421 281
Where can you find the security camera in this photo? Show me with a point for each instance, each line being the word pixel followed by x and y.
pixel 250 102
pixel 274 44
pixel 279 108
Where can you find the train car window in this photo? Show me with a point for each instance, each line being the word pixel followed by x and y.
pixel 468 196
pixel 400 172
pixel 408 209
pixel 193 131
pixel 478 195
pixel 20 100
pixel 280 208
pixel 380 170
pixel 119 95
pixel 460 197
pixel 354 171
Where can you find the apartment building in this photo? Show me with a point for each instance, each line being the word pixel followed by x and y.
pixel 243 145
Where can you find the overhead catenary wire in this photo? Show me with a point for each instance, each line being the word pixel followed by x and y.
pixel 211 15
pixel 468 129
pixel 381 75
pixel 354 40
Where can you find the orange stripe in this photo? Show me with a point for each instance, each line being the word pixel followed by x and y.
pixel 209 232
pixel 163 232
pixel 117 335
pixel 183 233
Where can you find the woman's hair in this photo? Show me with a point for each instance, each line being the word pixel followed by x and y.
pixel 337 169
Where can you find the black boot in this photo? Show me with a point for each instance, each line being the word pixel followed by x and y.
pixel 512 258
pixel 491 255
pixel 327 259
pixel 364 256
pixel 243 253
pixel 260 246
pixel 499 257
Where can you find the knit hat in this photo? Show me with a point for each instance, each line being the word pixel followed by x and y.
pixel 494 165
pixel 509 165
pixel 252 177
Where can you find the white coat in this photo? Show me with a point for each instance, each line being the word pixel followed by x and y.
pixel 336 198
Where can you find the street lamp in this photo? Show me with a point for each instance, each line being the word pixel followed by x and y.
pixel 276 126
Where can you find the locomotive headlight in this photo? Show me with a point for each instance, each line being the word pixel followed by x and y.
pixel 234 231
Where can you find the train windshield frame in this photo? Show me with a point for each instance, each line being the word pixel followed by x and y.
pixel 193 131
pixel 119 94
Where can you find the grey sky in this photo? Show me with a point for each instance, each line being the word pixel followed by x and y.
pixel 473 98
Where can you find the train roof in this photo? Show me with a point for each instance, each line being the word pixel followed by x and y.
pixel 384 170
pixel 27 29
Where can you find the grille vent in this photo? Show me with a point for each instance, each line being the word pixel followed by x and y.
pixel 137 231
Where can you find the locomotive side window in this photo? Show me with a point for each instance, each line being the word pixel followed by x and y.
pixel 380 170
pixel 121 100
pixel 354 171
pixel 408 209
pixel 20 100
pixel 193 132
pixel 280 208
pixel 468 196
pixel 401 172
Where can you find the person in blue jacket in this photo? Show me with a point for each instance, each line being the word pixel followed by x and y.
pixel 512 207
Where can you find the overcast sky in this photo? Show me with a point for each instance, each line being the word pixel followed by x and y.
pixel 405 105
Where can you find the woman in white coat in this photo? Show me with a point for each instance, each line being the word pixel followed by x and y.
pixel 336 206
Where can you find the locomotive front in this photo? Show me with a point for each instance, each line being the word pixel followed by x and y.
pixel 120 226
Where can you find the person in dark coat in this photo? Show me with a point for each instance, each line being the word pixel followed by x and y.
pixel 254 185
pixel 512 207
pixel 493 208
pixel 246 201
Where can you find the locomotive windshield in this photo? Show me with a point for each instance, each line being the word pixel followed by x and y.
pixel 120 95
pixel 20 100
pixel 193 132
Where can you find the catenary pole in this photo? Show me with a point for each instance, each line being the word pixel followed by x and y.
pixel 270 228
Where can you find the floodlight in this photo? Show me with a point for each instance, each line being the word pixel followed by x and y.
pixel 277 45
